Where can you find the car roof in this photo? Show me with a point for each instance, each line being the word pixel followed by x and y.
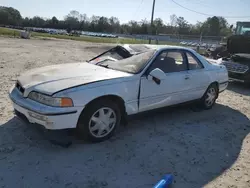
pixel 144 47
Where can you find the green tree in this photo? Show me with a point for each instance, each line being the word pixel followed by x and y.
pixel 72 20
pixel 54 20
pixel 183 26
pixel 213 26
pixel 10 16
pixel 158 26
pixel 37 21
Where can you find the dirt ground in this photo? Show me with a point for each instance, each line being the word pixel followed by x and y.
pixel 201 149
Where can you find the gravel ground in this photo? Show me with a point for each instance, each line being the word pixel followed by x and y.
pixel 201 149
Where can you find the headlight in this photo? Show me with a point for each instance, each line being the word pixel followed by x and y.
pixel 50 101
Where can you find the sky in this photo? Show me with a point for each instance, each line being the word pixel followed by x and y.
pixel 127 10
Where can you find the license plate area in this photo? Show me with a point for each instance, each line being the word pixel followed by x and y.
pixel 37 116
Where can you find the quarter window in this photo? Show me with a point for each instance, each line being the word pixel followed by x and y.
pixel 193 63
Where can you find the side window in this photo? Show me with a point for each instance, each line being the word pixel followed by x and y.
pixel 170 61
pixel 193 63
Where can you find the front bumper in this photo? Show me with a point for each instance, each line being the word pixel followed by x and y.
pixel 238 77
pixel 49 117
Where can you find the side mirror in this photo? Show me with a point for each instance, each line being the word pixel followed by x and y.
pixel 157 75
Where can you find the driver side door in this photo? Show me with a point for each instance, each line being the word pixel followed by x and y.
pixel 170 90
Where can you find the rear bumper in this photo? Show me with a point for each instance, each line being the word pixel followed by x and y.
pixel 223 86
pixel 236 80
pixel 47 116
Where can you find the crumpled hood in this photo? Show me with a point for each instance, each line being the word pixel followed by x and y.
pixel 215 61
pixel 51 79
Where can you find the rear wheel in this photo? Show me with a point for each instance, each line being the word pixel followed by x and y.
pixel 210 96
pixel 99 121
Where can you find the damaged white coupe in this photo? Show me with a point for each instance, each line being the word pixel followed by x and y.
pixel 95 96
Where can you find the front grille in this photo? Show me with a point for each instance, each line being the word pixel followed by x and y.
pixel 236 67
pixel 236 76
pixel 19 88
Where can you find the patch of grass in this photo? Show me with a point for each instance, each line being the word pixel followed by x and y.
pixel 99 39
pixel 9 32
pixel 46 36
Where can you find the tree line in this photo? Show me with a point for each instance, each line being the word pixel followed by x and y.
pixel 212 26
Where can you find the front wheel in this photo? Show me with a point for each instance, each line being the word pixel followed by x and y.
pixel 99 121
pixel 210 96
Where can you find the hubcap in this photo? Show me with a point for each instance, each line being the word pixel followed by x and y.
pixel 102 122
pixel 210 97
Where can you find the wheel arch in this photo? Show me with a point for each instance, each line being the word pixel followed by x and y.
pixel 82 121
pixel 213 83
pixel 111 97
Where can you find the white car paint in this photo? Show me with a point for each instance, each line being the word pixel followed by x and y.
pixel 153 96
pixel 84 82
pixel 50 79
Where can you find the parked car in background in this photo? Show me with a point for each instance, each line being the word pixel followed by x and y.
pixel 95 96
pixel 194 44
pixel 237 66
pixel 204 45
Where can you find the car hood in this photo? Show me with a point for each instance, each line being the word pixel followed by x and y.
pixel 51 79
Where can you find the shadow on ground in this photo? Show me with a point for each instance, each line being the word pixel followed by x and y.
pixel 240 88
pixel 196 147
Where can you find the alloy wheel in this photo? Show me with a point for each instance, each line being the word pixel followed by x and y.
pixel 102 122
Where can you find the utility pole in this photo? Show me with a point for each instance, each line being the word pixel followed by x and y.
pixel 152 21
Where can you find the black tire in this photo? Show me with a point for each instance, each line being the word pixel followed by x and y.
pixel 204 100
pixel 85 122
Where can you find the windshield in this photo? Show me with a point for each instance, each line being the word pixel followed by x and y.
pixel 242 28
pixel 133 64
pixel 116 53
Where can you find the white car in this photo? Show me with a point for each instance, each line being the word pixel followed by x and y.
pixel 95 96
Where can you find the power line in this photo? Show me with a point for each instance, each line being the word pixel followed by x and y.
pixel 204 14
pixel 199 3
pixel 138 8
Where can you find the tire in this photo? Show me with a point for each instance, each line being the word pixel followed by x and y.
pixel 209 98
pixel 99 121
